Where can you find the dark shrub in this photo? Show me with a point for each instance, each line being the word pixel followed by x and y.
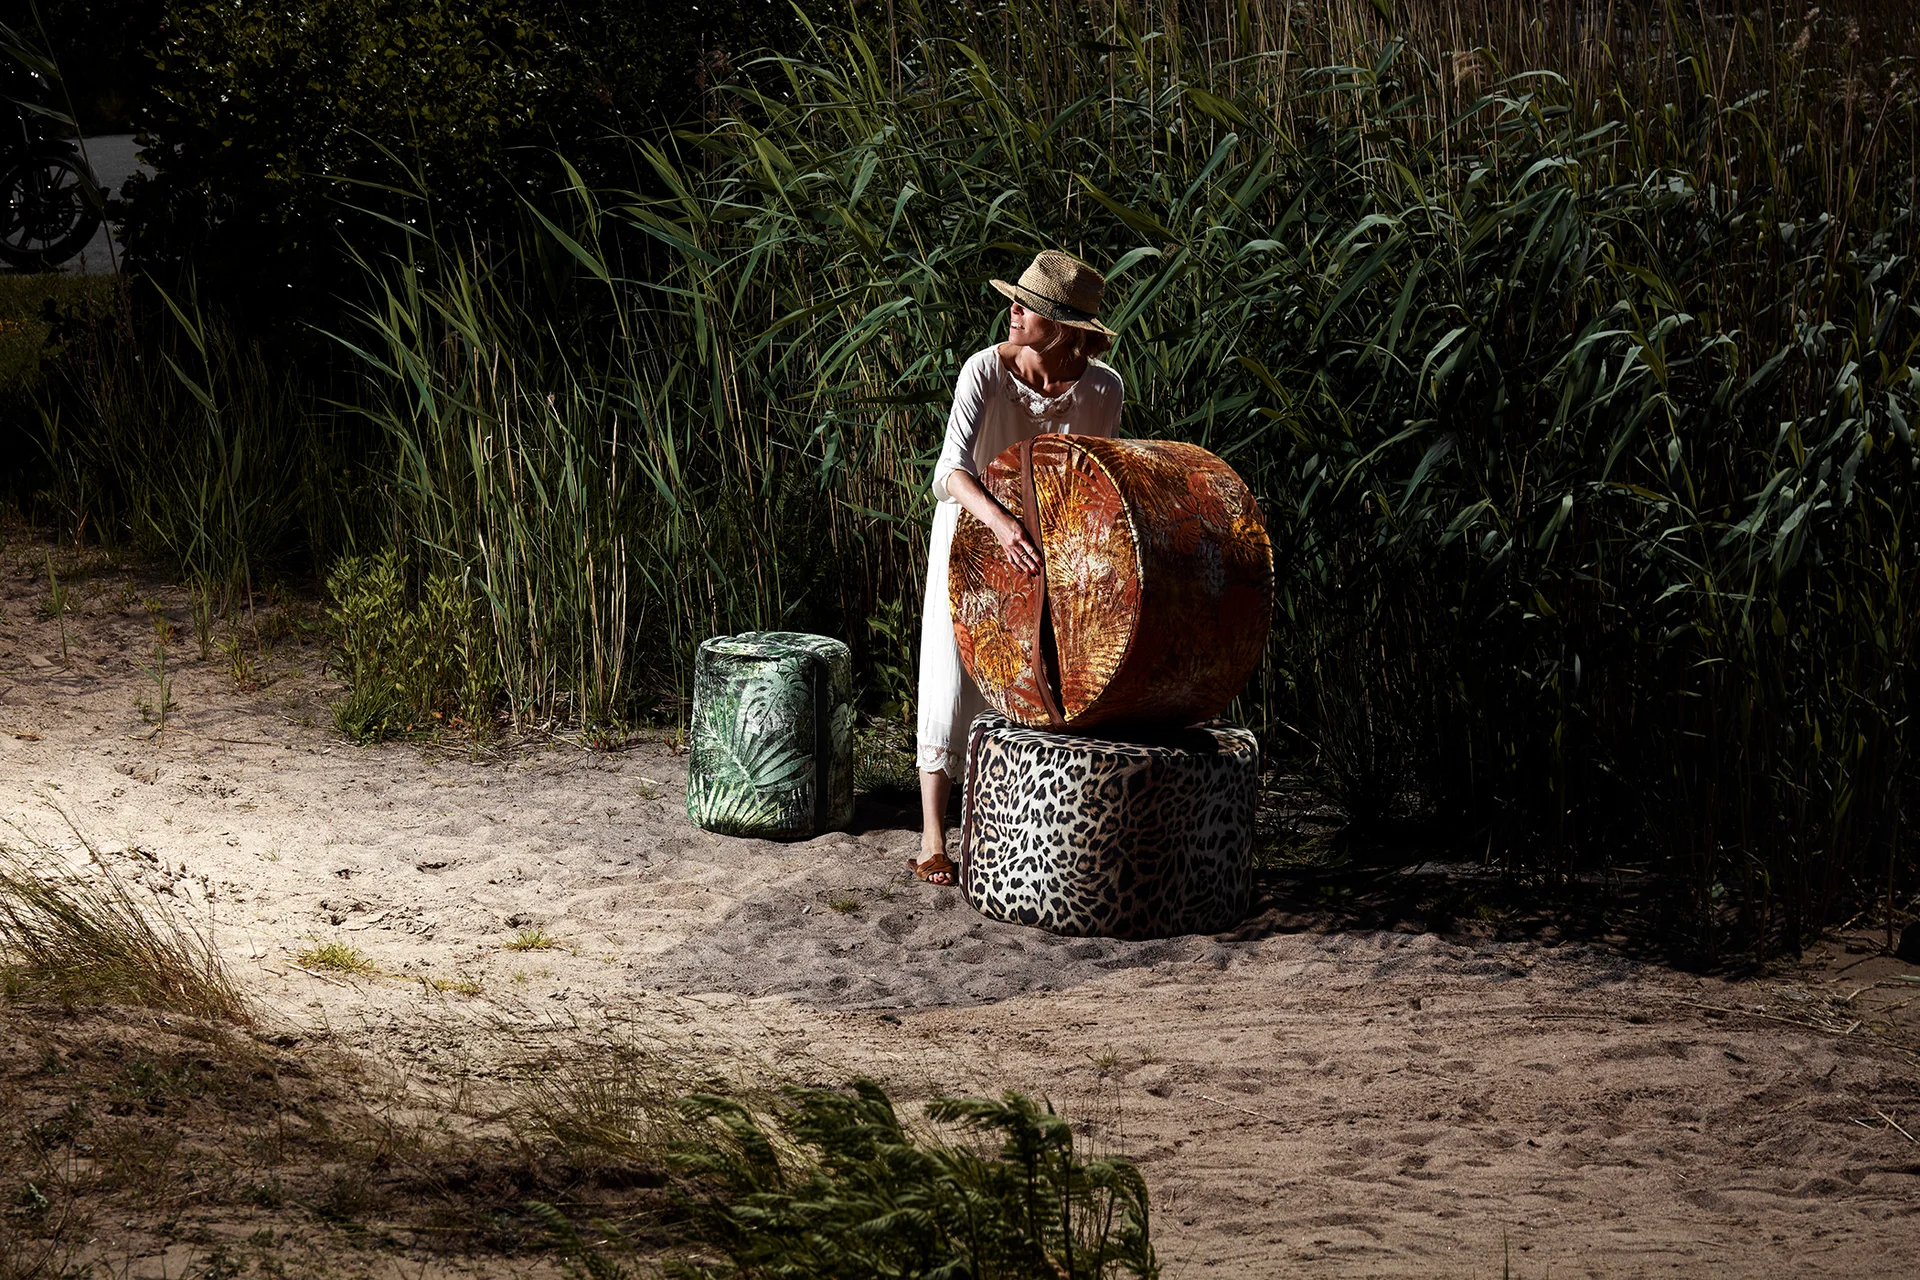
pixel 283 131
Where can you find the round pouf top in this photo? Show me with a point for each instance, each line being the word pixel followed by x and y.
pixel 1098 837
pixel 1155 595
pixel 770 747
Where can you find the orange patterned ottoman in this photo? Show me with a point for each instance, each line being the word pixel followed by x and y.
pixel 1156 594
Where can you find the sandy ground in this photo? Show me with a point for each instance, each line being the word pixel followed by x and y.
pixel 1304 1097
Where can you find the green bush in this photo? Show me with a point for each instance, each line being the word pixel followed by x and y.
pixel 268 120
pixel 282 133
pixel 411 667
pixel 38 316
pixel 836 1186
pixel 101 47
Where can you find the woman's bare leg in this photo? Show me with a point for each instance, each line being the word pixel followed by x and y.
pixel 934 790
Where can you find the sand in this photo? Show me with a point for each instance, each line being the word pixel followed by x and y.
pixel 1304 1095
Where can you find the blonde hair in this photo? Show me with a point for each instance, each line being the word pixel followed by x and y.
pixel 1084 344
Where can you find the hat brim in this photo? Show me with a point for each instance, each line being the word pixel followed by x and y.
pixel 1051 310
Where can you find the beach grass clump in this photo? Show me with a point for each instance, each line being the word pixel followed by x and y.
pixel 86 938
pixel 617 1107
pixel 818 1181
pixel 337 957
pixel 534 939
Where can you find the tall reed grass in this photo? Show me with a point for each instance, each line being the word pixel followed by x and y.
pixel 1570 347
pixel 162 429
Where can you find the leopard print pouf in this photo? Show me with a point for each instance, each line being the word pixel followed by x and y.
pixel 1098 837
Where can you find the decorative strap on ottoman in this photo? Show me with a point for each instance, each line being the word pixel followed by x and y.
pixel 770 749
pixel 1097 837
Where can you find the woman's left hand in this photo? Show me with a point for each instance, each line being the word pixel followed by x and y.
pixel 1011 534
pixel 1014 542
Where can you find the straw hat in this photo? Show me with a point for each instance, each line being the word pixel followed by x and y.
pixel 1062 288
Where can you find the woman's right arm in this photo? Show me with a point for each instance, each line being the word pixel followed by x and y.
pixel 953 474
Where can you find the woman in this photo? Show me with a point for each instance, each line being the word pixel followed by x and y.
pixel 1044 377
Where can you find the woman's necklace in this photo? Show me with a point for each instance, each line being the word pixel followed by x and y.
pixel 1050 386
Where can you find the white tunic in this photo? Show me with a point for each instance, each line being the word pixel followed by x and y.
pixel 992 410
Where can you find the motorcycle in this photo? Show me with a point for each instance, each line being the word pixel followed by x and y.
pixel 50 201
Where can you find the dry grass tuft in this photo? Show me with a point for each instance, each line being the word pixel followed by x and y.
pixel 617 1107
pixel 338 957
pixel 123 1136
pixel 85 939
pixel 533 940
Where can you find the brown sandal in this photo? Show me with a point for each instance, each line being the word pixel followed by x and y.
pixel 938 865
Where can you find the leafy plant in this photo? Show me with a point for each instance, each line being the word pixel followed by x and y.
pixel 99 46
pixel 162 703
pixel 202 609
pixel 411 667
pixel 610 1107
pixel 274 127
pixel 892 660
pixel 884 758
pixel 163 429
pixel 57 605
pixel 240 661
pixel 834 1184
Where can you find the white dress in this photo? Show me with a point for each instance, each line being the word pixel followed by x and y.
pixel 992 410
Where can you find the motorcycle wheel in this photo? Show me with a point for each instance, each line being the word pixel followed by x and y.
pixel 50 205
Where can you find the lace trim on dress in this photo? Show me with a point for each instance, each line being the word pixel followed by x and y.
pixel 936 760
pixel 1036 404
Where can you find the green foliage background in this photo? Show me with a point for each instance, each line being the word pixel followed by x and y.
pixel 101 48
pixel 1574 365
pixel 281 130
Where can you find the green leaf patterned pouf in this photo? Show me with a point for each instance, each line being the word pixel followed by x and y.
pixel 771 747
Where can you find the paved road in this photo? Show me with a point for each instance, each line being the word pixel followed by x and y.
pixel 113 160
